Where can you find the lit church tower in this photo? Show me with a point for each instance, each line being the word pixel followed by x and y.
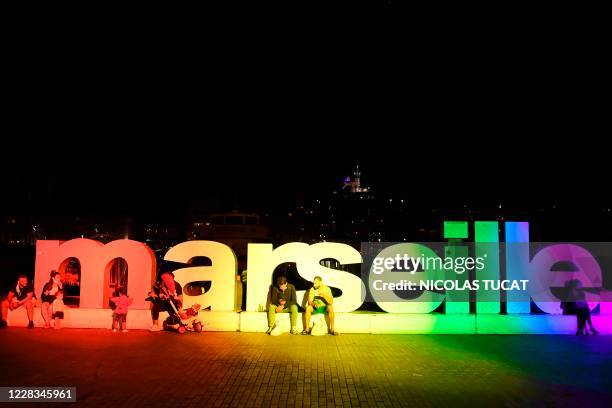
pixel 357 179
pixel 354 184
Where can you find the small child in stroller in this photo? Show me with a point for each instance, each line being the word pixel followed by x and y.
pixel 183 320
pixel 167 296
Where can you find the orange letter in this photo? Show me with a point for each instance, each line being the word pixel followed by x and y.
pixel 95 259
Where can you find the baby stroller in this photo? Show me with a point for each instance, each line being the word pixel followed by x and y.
pixel 182 320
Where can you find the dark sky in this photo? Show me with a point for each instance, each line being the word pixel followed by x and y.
pixel 159 158
pixel 425 177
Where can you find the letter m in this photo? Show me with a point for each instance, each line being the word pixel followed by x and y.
pixel 96 259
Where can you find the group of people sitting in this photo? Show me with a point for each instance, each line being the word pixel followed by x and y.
pixel 283 299
pixel 52 305
pixel 52 302
pixel 22 295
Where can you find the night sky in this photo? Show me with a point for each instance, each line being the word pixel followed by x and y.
pixel 425 178
pixel 158 159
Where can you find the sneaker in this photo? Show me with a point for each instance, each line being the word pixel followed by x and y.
pixel 294 331
pixel 155 328
pixel 275 331
pixel 334 333
pixel 305 332
pixel 270 329
pixel 124 331
pixel 114 330
pixel 3 324
pixel 31 325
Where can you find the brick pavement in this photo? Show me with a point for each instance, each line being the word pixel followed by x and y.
pixel 357 370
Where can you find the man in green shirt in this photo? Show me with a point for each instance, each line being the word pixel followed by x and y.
pixel 320 300
pixel 283 299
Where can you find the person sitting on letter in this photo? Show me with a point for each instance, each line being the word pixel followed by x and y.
pixel 319 298
pixel 283 299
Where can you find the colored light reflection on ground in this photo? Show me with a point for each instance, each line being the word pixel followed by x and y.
pixel 249 369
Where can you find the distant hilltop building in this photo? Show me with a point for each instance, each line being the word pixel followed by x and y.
pixel 354 185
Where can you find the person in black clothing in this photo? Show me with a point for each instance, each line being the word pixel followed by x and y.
pixel 283 299
pixel 22 294
pixel 575 303
pixel 48 296
pixel 165 290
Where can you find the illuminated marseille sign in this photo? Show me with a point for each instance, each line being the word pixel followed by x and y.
pixel 482 260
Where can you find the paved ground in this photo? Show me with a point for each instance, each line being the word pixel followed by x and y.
pixel 245 369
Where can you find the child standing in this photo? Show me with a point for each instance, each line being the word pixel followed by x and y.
pixel 121 302
pixel 57 308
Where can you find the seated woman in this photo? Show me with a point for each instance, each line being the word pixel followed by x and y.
pixel 48 296
pixel 575 303
pixel 165 290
